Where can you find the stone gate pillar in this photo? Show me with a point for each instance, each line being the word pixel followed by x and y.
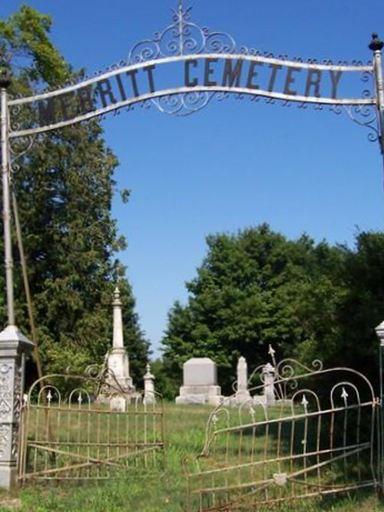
pixel 12 345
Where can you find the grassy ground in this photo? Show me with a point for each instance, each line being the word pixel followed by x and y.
pixel 167 493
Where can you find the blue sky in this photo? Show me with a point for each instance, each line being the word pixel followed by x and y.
pixel 236 163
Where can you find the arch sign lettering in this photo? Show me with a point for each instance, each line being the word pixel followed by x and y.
pixel 179 72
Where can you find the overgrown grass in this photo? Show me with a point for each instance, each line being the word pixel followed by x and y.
pixel 185 430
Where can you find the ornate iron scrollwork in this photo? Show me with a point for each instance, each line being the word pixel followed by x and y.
pixel 362 115
pixel 180 38
pixel 181 41
pixel 365 116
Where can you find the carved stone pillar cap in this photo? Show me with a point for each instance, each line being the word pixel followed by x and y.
pixel 116 297
pixel 268 368
pixel 12 338
pixel 149 375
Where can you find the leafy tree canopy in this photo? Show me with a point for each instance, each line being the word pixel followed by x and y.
pixel 256 288
pixel 64 185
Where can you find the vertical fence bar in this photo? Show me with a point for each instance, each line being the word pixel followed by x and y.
pixel 45 436
pixel 292 449
pixel 107 451
pixel 381 421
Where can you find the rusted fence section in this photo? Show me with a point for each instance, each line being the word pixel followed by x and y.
pixel 320 437
pixel 74 428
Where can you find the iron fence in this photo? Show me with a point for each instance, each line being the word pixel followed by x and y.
pixel 320 437
pixel 80 428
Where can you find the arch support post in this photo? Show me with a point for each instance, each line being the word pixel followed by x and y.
pixel 5 81
pixel 13 344
pixel 376 45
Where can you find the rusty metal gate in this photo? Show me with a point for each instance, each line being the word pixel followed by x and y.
pixel 85 428
pixel 318 436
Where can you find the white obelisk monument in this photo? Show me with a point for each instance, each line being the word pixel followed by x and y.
pixel 117 358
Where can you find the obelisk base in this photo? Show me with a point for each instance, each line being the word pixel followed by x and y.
pixel 118 389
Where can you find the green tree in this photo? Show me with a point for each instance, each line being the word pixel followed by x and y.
pixel 164 385
pixel 253 289
pixel 363 305
pixel 64 185
pixel 349 338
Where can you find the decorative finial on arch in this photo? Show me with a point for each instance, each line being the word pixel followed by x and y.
pixel 376 43
pixel 180 17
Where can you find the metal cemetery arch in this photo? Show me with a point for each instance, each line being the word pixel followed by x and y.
pixel 180 71
pixel 211 66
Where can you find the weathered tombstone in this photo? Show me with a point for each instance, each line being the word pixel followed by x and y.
pixel 269 384
pixel 149 387
pixel 242 392
pixel 117 403
pixel 199 383
pixel 13 344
